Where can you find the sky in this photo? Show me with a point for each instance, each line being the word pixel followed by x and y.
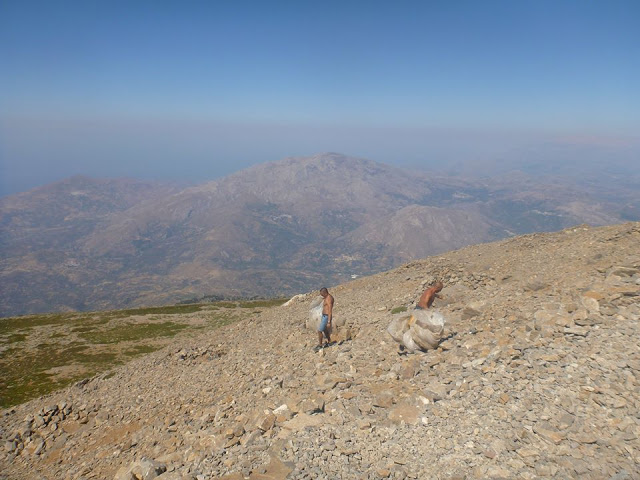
pixel 195 90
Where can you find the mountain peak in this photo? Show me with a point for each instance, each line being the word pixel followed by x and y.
pixel 275 228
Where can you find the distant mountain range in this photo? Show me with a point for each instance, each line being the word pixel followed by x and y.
pixel 274 229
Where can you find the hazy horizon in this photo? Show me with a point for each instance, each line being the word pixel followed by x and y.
pixel 194 92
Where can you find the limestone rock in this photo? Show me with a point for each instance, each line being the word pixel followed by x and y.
pixel 143 469
pixel 266 422
pixel 312 404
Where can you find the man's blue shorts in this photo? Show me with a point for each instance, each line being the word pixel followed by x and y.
pixel 323 323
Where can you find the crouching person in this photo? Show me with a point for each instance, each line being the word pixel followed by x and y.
pixel 423 329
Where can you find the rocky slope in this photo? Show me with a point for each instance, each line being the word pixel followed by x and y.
pixel 538 378
pixel 273 229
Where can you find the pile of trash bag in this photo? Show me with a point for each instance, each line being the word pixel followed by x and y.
pixel 315 314
pixel 422 330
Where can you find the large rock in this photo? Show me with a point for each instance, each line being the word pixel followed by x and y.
pixel 404 413
pixel 275 470
pixel 143 469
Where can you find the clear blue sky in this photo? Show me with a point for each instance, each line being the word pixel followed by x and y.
pixel 197 89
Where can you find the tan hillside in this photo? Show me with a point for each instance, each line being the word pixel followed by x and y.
pixel 538 378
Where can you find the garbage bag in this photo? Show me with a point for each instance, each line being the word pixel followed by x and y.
pixel 427 328
pixel 397 327
pixel 423 337
pixel 429 319
pixel 408 342
pixel 315 314
pixel 422 330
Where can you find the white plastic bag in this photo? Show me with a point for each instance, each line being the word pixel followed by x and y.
pixel 422 330
pixel 315 314
pixel 430 319
pixel 397 327
pixel 408 342
pixel 427 328
pixel 423 337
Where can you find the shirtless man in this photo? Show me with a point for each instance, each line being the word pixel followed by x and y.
pixel 327 316
pixel 429 295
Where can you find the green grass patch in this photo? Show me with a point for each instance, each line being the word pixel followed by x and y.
pixel 25 376
pixel 73 346
pixel 8 325
pixel 15 337
pixel 84 329
pixel 220 320
pixel 167 310
pixel 141 350
pixel 398 309
pixel 130 332
pixel 226 304
pixel 72 349
pixel 96 359
pixel 275 302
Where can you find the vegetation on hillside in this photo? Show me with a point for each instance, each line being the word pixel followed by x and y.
pixel 42 353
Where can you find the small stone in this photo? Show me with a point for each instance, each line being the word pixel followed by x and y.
pixel 283 413
pixel 619 402
pixel 408 371
pixel 584 437
pixel 404 414
pixel 544 430
pixel 312 404
pixel 489 453
pixel 143 469
pixel 40 444
pixel 348 395
pixel 591 304
pixel 266 422
pixel 577 331
pixel 384 400
pixel 498 472
pixel 469 313
pixel 535 286
pixel 527 452
pixel 565 421
pixel 364 424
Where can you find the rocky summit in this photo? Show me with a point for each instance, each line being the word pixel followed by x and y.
pixel 537 376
